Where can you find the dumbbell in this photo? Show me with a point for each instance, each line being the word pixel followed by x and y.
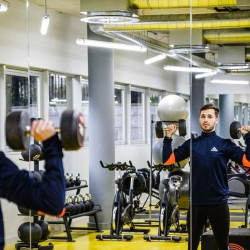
pixel 72 181
pixel 24 235
pixel 33 154
pixel 70 208
pixel 180 123
pixel 89 201
pixel 235 130
pixel 67 180
pixel 81 203
pixel 78 180
pixel 46 229
pixel 17 130
pixel 75 202
pixel 86 202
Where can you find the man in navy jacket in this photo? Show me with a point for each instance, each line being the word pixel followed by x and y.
pixel 48 195
pixel 209 187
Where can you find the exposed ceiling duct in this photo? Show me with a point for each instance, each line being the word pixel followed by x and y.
pixel 232 36
pixel 154 45
pixel 218 21
pixel 163 4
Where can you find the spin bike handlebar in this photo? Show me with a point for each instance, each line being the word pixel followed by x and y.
pixel 118 166
pixel 162 167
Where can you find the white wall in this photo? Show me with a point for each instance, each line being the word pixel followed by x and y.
pixel 211 88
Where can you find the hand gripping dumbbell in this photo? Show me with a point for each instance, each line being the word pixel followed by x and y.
pixel 17 129
pixel 159 128
pixel 235 130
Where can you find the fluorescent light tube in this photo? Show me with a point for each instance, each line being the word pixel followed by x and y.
pixel 202 75
pixel 111 45
pixel 3 7
pixel 155 59
pixel 45 25
pixel 187 69
pixel 224 81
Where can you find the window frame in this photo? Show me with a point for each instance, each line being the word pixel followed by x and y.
pixel 143 91
pixel 22 73
pixel 122 87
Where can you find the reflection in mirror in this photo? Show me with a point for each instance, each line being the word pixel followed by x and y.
pixel 57 97
pixel 137 115
pixel 17 94
pixel 119 114
pixel 85 106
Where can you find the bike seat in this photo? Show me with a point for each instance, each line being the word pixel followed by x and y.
pixel 176 178
pixel 165 182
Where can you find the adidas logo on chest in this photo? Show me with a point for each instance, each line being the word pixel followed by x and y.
pixel 214 149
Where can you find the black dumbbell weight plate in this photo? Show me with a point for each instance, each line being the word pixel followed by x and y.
pixel 159 129
pixel 182 127
pixel 15 128
pixel 72 130
pixel 234 130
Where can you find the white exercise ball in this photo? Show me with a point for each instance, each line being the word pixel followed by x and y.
pixel 172 108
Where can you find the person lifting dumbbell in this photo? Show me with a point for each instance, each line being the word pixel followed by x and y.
pixel 210 154
pixel 17 186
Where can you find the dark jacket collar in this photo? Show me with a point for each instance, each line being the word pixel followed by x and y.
pixel 208 135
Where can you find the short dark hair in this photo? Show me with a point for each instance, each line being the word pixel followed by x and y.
pixel 211 106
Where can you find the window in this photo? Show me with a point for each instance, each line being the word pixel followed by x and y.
pixel 119 114
pixel 22 93
pixel 236 111
pixel 85 106
pixel 57 97
pixel 212 101
pixel 244 113
pixel 137 115
pixel 155 98
pixel 17 94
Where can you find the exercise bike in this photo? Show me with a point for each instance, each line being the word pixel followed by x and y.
pixel 169 211
pixel 123 208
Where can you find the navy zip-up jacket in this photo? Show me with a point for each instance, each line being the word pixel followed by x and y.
pixel 47 196
pixel 210 155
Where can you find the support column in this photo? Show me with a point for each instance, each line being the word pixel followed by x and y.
pixel 101 127
pixel 3 107
pixel 74 93
pixel 197 101
pixel 226 106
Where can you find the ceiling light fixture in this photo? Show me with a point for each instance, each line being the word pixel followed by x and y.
pixel 4 5
pixel 45 21
pixel 225 81
pixel 155 59
pixel 109 17
pixel 202 75
pixel 234 66
pixel 187 69
pixel 111 45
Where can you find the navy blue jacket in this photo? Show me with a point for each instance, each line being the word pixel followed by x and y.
pixel 210 155
pixel 47 195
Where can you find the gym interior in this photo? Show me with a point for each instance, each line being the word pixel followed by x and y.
pixel 130 68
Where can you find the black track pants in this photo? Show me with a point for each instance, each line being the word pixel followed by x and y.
pixel 219 219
